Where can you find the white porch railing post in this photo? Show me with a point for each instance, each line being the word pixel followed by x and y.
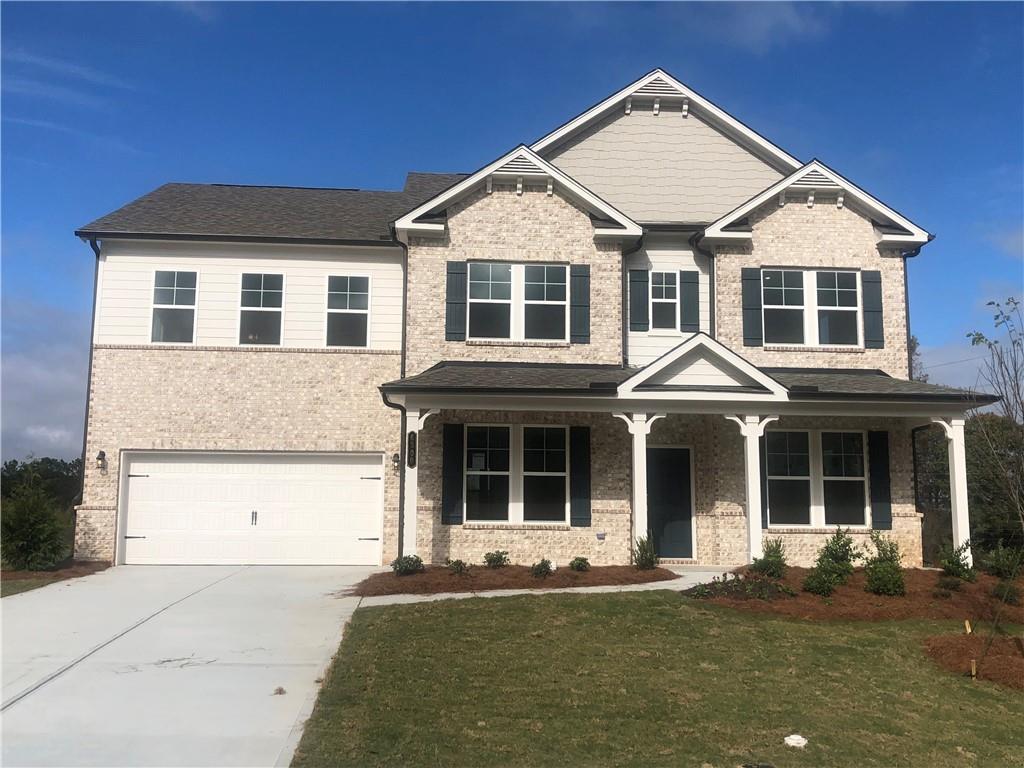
pixel 414 419
pixel 639 425
pixel 954 429
pixel 752 428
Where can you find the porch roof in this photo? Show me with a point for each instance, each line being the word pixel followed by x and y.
pixel 801 384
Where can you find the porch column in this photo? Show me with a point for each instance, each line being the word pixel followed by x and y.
pixel 954 429
pixel 414 420
pixel 752 428
pixel 639 425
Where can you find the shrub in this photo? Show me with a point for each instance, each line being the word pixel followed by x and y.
pixel 497 559
pixel 883 572
pixel 948 583
pixel 742 587
pixel 644 556
pixel 579 564
pixel 840 551
pixel 31 536
pixel 542 569
pixel 457 566
pixel 773 564
pixel 820 580
pixel 954 561
pixel 1003 562
pixel 407 565
pixel 1007 592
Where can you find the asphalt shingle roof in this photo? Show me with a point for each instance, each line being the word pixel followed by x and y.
pixel 812 383
pixel 279 213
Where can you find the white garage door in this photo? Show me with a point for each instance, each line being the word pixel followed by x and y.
pixel 253 509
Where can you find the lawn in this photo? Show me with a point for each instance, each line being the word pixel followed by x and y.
pixel 649 679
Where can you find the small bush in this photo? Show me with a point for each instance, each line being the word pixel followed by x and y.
pixel 821 581
pixel 883 572
pixel 542 569
pixel 497 559
pixel 579 564
pixel 954 561
pixel 1007 592
pixel 840 551
pixel 948 583
pixel 1004 562
pixel 741 587
pixel 644 556
pixel 407 565
pixel 457 566
pixel 773 564
pixel 31 536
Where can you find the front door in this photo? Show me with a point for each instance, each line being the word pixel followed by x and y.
pixel 669 508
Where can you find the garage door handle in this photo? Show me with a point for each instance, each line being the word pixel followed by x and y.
pixel 135 537
pixel 366 477
pixel 364 538
pixel 131 475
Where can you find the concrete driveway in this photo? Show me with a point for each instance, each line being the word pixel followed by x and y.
pixel 169 665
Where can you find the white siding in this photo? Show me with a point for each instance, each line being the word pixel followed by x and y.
pixel 124 312
pixel 697 369
pixel 663 167
pixel 666 254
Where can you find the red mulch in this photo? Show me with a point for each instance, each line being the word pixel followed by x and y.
pixel 438 579
pixel 851 603
pixel 1003 662
pixel 70 571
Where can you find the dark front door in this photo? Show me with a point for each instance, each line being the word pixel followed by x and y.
pixel 669 511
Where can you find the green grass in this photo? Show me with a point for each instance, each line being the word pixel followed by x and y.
pixel 645 679
pixel 10 587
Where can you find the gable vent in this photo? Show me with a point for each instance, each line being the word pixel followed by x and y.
pixel 657 87
pixel 814 180
pixel 521 166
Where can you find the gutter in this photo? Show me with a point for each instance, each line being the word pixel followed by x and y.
pixel 212 238
pixel 401 466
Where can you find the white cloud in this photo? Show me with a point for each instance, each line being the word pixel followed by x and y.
pixel 104 142
pixel 67 68
pixel 204 12
pixel 1010 242
pixel 762 26
pixel 27 86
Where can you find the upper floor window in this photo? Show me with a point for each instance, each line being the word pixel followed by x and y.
pixel 174 302
pixel 518 301
pixel 262 302
pixel 664 300
pixel 348 311
pixel 807 307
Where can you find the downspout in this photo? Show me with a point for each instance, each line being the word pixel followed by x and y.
pixel 695 239
pixel 401 374
pixel 624 300
pixel 94 244
pixel 906 302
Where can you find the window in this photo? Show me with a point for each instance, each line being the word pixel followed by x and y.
pixel 545 474
pixel 262 299
pixel 664 300
pixel 490 301
pixel 487 473
pixel 787 459
pixel 174 302
pixel 845 486
pixel 544 302
pixel 811 307
pixel 838 323
pixel 348 311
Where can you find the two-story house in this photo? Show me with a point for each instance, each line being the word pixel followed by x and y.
pixel 650 321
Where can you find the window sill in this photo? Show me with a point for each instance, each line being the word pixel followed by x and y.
pixel 816 529
pixel 251 348
pixel 537 344
pixel 471 526
pixel 812 348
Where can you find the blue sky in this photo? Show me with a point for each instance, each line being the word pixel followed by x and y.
pixel 918 103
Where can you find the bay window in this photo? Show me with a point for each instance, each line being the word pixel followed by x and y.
pixel 811 307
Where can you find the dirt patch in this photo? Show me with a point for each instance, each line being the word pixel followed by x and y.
pixel 71 571
pixel 1002 663
pixel 850 602
pixel 438 579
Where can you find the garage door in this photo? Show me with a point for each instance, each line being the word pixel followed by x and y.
pixel 253 508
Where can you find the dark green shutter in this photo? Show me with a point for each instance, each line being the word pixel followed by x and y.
pixel 579 476
pixel 451 474
pixel 689 296
pixel 579 303
pixel 874 330
pixel 764 482
pixel 753 334
pixel 639 319
pixel 878 477
pixel 455 302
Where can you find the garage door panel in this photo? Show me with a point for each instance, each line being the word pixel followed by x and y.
pixel 195 508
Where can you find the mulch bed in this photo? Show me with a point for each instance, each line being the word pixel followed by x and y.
pixel 851 603
pixel 69 571
pixel 1003 662
pixel 439 579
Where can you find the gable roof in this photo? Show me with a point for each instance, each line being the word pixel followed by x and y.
pixel 659 84
pixel 520 162
pixel 812 177
pixel 274 214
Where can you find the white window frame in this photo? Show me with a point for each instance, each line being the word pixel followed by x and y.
pixel 515 475
pixel 674 330
pixel 155 306
pixel 810 309
pixel 241 309
pixel 817 480
pixel 517 303
pixel 327 304
pixel 524 474
pixel 809 478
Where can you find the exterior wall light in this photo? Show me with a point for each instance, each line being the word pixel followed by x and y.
pixel 101 460
pixel 396 461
